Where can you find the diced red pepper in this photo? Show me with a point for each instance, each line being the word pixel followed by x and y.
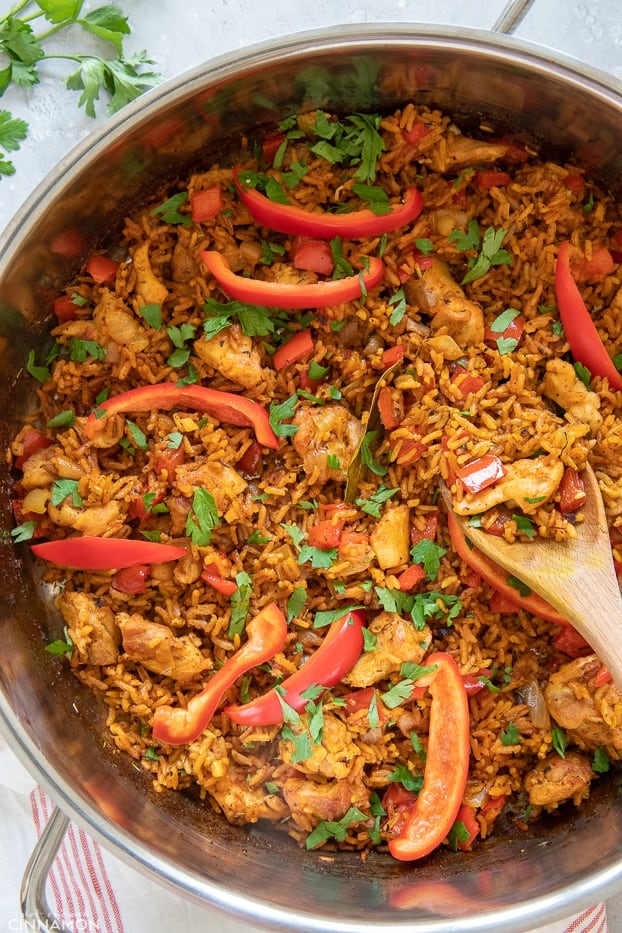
pixel 503 604
pixel 325 534
pixel 574 182
pixel 393 355
pixel 101 268
pixel 390 407
pixel 603 677
pixel 466 816
pixel 30 442
pixel 473 683
pixel 289 218
pixel 361 700
pixel 496 577
pixel 211 574
pixel 398 802
pixel 492 808
pixel 251 460
pixel 569 642
pixel 492 178
pixel 266 633
pixel 585 343
pixel 271 145
pixel 138 509
pixel 349 541
pixel 446 768
pixel 132 580
pixel 321 294
pixel 206 204
pixel 65 309
pixel 427 531
pixel 465 383
pixel 297 347
pixel 411 577
pixel 335 657
pixel 68 242
pixel 168 461
pixel 515 153
pixel 416 133
pixel 225 406
pixel 481 473
pixel 596 267
pixel 514 331
pixel 313 256
pixel 87 552
pixel 572 494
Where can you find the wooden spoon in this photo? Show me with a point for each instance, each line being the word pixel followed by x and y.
pixel 576 577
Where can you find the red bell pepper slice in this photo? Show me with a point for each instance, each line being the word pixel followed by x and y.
pixel 65 309
pixel 289 218
pixel 585 343
pixel 466 816
pixel 390 407
pixel 101 268
pixel 206 204
pixel 266 633
pixel 296 347
pixel 292 295
pixel 88 552
pixel 132 580
pixel 481 473
pixel 212 575
pixel 497 578
pixel 446 766
pixel 569 642
pixel 225 406
pixel 334 658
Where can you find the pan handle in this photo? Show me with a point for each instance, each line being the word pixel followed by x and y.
pixel 33 899
pixel 512 16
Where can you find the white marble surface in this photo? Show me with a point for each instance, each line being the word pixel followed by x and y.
pixel 182 33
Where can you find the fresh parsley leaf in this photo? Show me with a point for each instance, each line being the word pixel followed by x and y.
pixel 403 775
pixel 377 811
pixel 301 742
pixel 296 534
pixel 40 373
pixel 152 314
pixel 372 505
pixel 137 435
pixel 60 647
pixel 328 616
pixel 457 835
pixel 120 78
pixel 23 532
pixel 510 735
pixel 12 133
pixel 524 525
pixel 319 558
pixel 295 603
pixel 61 488
pixel 583 374
pixel 64 419
pixel 80 349
pixel 341 267
pixel 151 754
pixel 425 246
pixel 466 240
pixel 203 517
pixel 240 604
pixel 397 302
pixel 559 740
pixel 270 252
pixel 518 585
pixel 503 320
pixel 428 554
pixel 398 693
pixel 174 440
pixel 369 640
pixel 367 457
pixel 316 372
pixel 338 830
pixel 375 196
pixel 600 761
pixel 168 210
pixel 279 414
pixel 257 538
pixel 332 462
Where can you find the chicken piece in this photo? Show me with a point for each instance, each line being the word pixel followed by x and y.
pixel 311 803
pixel 221 480
pixel 590 715
pixel 243 804
pixel 91 628
pixel 323 432
pixel 556 779
pixel 461 152
pixel 115 322
pixel 231 353
pixel 155 647
pixel 396 641
pixel 93 520
pixel 438 294
pixel 149 289
pixel 332 757
pixel 390 538
pixel 184 265
pixel 562 385
pixel 39 470
pixel 528 483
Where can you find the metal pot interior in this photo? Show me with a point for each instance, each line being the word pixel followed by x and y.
pixel 55 725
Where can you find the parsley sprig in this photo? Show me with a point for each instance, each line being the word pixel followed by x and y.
pixel 489 249
pixel 22 47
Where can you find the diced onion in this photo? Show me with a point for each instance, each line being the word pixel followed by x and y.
pixel 533 698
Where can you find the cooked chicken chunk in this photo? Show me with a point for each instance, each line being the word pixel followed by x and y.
pixel 91 628
pixel 390 538
pixel 528 483
pixel 323 432
pixel 155 647
pixel 437 293
pixel 311 802
pixel 562 385
pixel 461 152
pixel 243 804
pixel 149 289
pixel 332 757
pixel 591 715
pixel 231 353
pixel 115 322
pixel 556 779
pixel 396 641
pixel 93 520
pixel 221 480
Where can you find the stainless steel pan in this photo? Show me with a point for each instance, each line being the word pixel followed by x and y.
pixel 56 727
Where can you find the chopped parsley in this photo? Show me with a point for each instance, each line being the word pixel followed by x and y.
pixel 23 532
pixel 524 525
pixel 169 210
pixel 489 246
pixel 510 735
pixel 61 488
pixel 372 505
pixel 295 603
pixel 328 829
pixel 583 374
pixel 403 775
pixel 64 419
pixel 152 314
pixel 428 554
pixel 240 604
pixel 80 349
pixel 600 761
pixel 458 835
pixel 397 302
pixel 519 586
pixel 328 616
pixel 203 517
pixel 559 740
pixel 280 414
